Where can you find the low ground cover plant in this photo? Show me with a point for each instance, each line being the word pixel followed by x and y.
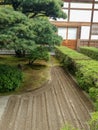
pixel 34 75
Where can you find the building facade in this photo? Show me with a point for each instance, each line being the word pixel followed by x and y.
pixel 81 26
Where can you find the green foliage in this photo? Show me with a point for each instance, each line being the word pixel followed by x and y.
pixel 50 8
pixel 45 32
pixel 71 53
pixel 93 92
pixel 90 51
pixel 68 57
pixel 22 35
pixel 87 71
pixel 84 68
pixel 69 127
pixel 10 78
pixel 17 32
pixel 94 121
pixel 39 53
pixel 9 17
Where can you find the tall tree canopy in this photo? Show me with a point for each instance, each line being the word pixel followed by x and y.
pixel 50 8
pixel 46 32
pixel 20 33
pixel 9 17
pixel 16 30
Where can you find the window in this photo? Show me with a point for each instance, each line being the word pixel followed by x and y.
pixel 95 18
pixel 65 4
pixel 85 30
pixel 94 37
pixel 96 6
pixel 94 29
pixel 80 16
pixel 72 33
pixel 81 5
pixel 62 32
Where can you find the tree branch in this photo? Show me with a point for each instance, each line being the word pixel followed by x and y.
pixel 38 14
pixel 33 15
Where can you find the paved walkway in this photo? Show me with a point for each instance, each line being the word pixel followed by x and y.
pixel 57 103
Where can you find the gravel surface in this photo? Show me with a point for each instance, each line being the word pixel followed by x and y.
pixel 59 102
pixel 3 103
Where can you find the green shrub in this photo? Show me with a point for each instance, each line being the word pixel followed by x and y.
pixel 87 74
pixel 39 53
pixel 70 53
pixel 84 68
pixel 94 121
pixel 93 92
pixel 10 78
pixel 90 51
pixel 68 57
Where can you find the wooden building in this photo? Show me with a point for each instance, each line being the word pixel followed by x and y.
pixel 81 26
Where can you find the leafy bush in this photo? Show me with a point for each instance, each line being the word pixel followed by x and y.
pixel 93 92
pixel 10 78
pixel 94 121
pixel 39 53
pixel 90 51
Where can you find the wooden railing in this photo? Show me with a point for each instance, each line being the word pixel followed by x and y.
pixel 86 43
pixel 7 52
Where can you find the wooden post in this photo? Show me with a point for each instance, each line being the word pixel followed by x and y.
pixel 93 3
pixel 78 37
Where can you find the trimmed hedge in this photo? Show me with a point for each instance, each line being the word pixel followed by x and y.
pixel 93 92
pixel 84 68
pixel 10 78
pixel 87 74
pixel 90 51
pixel 70 53
pixel 94 121
pixel 68 57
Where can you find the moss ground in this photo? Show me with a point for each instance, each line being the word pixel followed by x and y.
pixel 34 75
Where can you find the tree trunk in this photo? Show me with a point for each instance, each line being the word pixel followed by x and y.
pixel 31 61
pixel 20 53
